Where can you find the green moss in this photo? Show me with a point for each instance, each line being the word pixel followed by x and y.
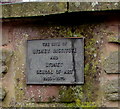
pixel 114 39
pixel 92 6
pixel 89 89
pixel 33 9
pixel 90 73
pixel 79 95
pixel 65 32
pixel 66 94
pixel 83 105
pixel 84 93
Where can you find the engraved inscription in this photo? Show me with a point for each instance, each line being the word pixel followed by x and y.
pixel 55 61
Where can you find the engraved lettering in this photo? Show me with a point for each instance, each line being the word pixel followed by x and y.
pixel 55 44
pixel 41 51
pixel 54 79
pixel 44 72
pixel 54 64
pixel 46 44
pixel 64 43
pixel 54 58
pixel 69 72
pixel 58 71
pixel 64 50
pixel 55 61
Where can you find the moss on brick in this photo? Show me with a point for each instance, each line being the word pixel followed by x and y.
pixel 88 91
pixel 93 6
pixel 114 39
pixel 46 8
pixel 33 9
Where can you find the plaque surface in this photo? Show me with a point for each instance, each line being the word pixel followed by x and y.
pixel 55 61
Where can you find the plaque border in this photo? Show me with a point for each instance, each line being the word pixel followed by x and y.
pixel 55 83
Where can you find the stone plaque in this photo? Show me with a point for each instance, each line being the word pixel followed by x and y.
pixel 55 61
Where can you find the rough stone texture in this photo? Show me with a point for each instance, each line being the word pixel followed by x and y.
pixel 115 39
pixel 33 9
pixel 42 8
pixel 113 97
pixel 4 69
pixel 28 30
pixel 111 63
pixel 12 1
pixel 5 36
pixel 112 90
pixel 6 54
pixel 93 6
pixel 22 30
pixel 19 36
pixel 2 94
pixel 5 59
pixel 36 93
